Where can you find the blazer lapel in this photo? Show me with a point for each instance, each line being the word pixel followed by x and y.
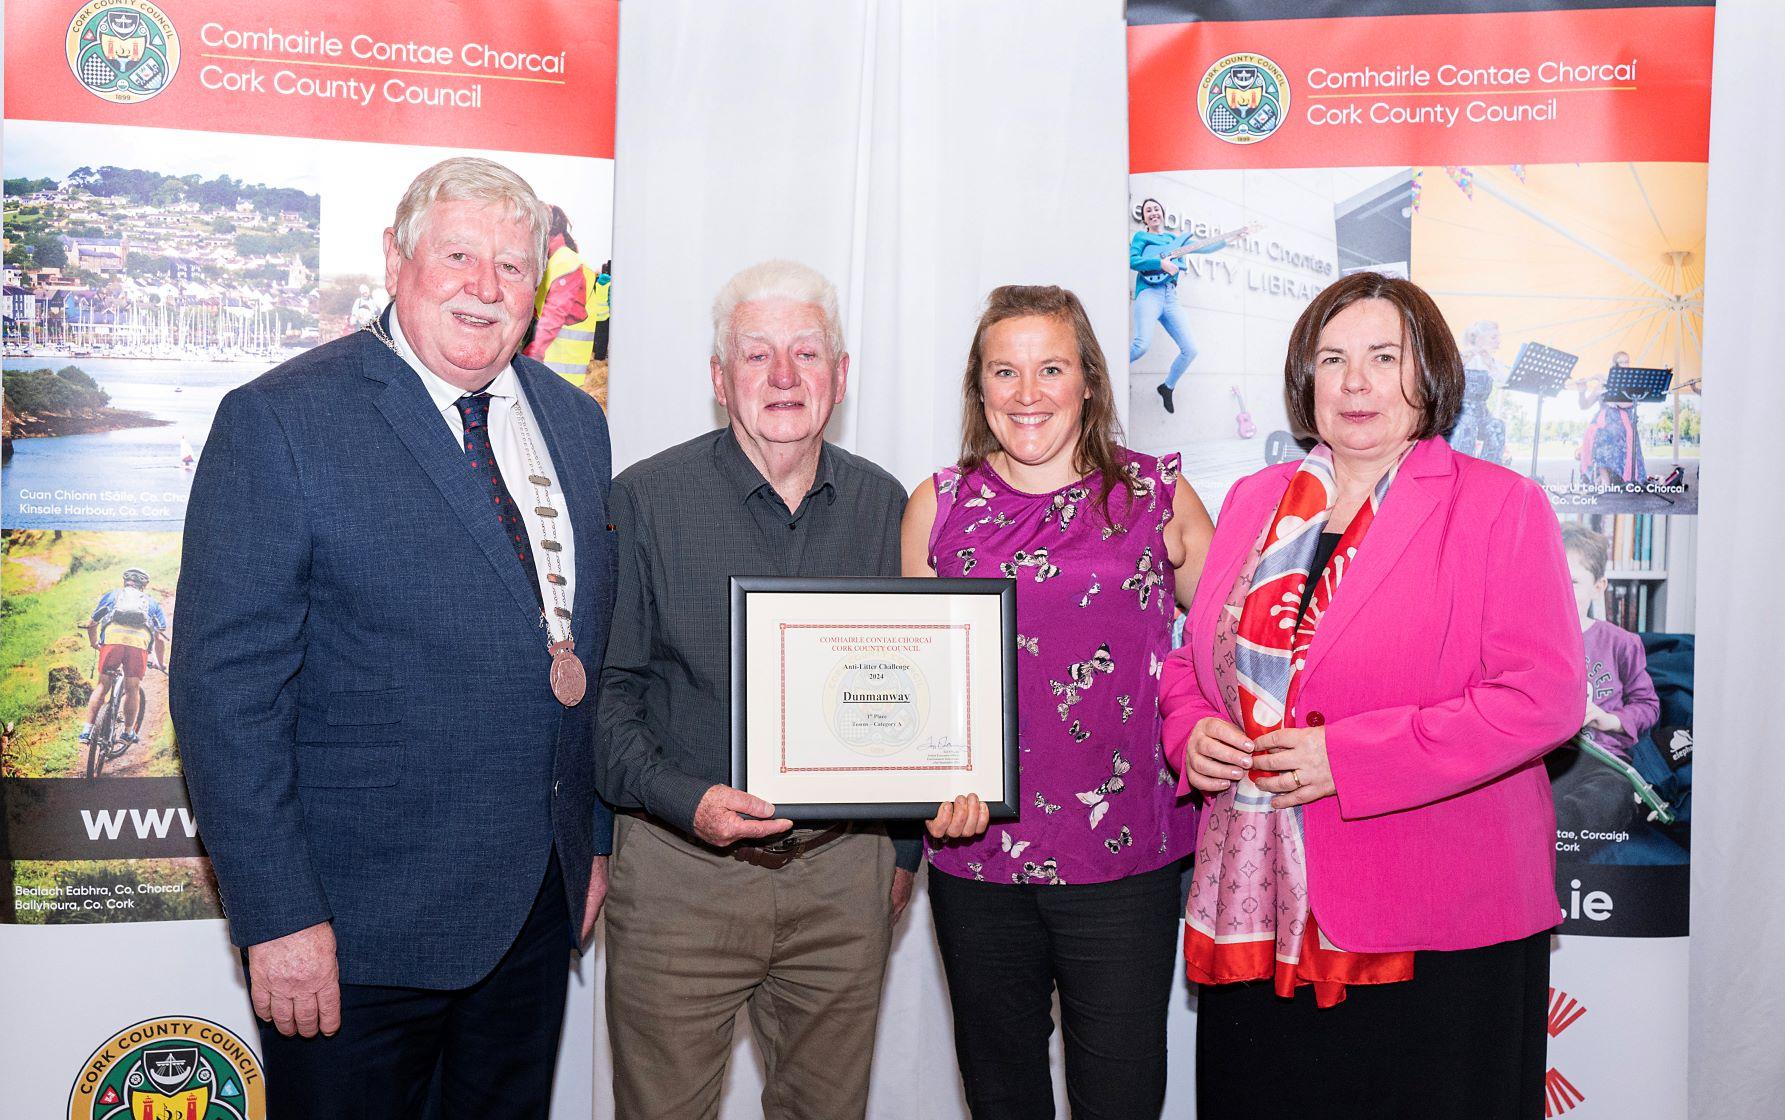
pixel 406 405
pixel 1226 557
pixel 574 462
pixel 1425 477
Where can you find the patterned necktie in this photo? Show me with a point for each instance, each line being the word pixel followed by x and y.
pixel 474 410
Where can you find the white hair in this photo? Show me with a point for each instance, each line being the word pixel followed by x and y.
pixel 1477 334
pixel 778 279
pixel 468 178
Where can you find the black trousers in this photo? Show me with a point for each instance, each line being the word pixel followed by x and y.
pixel 1109 948
pixel 487 1051
pixel 1463 1040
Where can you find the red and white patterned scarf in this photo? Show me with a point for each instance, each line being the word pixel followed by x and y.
pixel 1250 916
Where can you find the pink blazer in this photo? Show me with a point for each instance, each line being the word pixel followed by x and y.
pixel 1449 663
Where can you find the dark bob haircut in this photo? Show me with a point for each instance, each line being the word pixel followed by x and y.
pixel 1426 336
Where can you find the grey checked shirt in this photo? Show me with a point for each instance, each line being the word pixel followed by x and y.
pixel 689 519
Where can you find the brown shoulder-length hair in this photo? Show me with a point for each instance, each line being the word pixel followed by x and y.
pixel 1099 432
pixel 1428 340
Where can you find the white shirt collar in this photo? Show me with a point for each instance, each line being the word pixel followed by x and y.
pixel 445 394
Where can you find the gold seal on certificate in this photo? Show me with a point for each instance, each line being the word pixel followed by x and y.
pixel 873 697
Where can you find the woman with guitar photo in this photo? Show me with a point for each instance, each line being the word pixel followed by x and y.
pixel 1156 258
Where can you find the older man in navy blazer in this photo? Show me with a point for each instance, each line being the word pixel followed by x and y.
pixel 397 575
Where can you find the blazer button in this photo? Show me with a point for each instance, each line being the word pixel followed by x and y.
pixel 1315 719
pixel 555 786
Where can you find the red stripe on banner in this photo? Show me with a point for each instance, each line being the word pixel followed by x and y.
pixel 1542 87
pixel 451 75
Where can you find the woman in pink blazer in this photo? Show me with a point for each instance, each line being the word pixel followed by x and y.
pixel 1382 648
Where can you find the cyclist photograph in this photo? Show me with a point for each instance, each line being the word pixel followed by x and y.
pixel 129 629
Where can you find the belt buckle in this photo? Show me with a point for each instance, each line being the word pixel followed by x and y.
pixel 779 853
pixel 771 859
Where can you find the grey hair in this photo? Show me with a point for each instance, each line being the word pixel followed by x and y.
pixel 779 279
pixel 468 178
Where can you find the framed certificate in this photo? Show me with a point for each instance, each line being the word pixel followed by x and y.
pixel 873 698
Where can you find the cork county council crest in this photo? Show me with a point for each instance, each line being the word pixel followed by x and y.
pixel 123 50
pixel 1243 98
pixel 170 1069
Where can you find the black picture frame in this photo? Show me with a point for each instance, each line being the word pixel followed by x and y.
pixel 743 587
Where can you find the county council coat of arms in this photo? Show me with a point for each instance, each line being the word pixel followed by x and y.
pixel 170 1069
pixel 1243 98
pixel 122 50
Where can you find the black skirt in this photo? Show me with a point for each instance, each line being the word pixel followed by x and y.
pixel 1464 1039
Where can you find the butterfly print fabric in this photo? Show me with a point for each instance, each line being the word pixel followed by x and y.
pixel 1098 802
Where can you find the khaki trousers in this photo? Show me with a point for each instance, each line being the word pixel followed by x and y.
pixel 694 935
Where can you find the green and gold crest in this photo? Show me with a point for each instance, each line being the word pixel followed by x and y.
pixel 123 50
pixel 1243 98
pixel 170 1069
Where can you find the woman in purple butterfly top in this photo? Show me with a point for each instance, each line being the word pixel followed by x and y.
pixel 1080 893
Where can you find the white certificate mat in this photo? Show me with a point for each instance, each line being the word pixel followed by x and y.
pixel 872 698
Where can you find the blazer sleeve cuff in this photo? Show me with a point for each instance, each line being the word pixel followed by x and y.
pixel 1182 706
pixel 254 925
pixel 1364 779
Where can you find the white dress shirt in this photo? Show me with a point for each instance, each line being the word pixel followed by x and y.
pixel 506 400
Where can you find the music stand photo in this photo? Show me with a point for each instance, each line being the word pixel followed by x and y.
pixel 1638 384
pixel 1541 371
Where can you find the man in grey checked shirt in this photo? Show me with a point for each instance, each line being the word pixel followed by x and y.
pixel 714 905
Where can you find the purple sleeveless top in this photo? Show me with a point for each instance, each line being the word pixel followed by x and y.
pixel 1094 606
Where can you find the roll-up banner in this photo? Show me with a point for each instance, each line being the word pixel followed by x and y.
pixel 195 191
pixel 1539 167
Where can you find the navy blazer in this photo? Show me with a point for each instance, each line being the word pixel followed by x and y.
pixel 359 679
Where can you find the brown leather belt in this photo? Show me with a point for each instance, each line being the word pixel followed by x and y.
pixel 779 853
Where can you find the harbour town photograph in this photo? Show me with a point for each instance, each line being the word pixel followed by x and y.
pixel 138 291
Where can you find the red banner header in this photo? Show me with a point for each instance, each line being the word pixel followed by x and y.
pixel 1503 88
pixel 458 75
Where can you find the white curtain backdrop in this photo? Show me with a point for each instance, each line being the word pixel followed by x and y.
pixel 918 152
pixel 1736 1064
